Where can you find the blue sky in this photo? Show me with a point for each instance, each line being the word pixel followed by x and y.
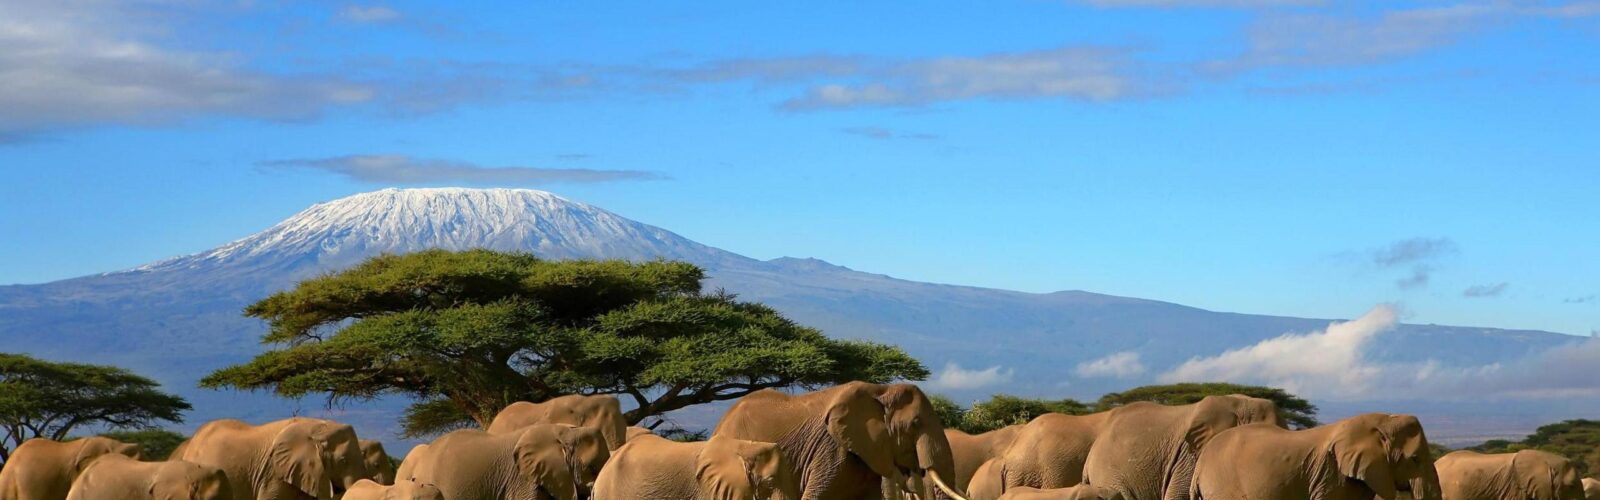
pixel 1270 156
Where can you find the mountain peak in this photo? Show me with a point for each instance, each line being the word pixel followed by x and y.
pixel 341 232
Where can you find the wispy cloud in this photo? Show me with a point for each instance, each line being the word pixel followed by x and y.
pixel 1416 254
pixel 954 377
pixel 1120 365
pixel 1582 300
pixel 884 133
pixel 68 64
pixel 1327 362
pixel 1481 291
pixel 369 14
pixel 400 169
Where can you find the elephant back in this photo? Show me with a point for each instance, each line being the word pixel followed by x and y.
pixel 44 468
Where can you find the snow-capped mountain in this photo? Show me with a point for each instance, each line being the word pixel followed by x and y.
pixel 178 319
pixel 341 232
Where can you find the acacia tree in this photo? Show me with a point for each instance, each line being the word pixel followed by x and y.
pixel 42 399
pixel 1294 410
pixel 467 333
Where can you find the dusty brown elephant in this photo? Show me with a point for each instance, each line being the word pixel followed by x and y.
pixel 285 459
pixel 367 489
pixel 42 469
pixel 846 440
pixel 403 472
pixel 117 477
pixel 542 461
pixel 1591 488
pixel 379 468
pixel 970 451
pixel 1079 492
pixel 1365 456
pixel 1049 452
pixel 723 468
pixel 636 431
pixel 1524 475
pixel 1147 451
pixel 600 412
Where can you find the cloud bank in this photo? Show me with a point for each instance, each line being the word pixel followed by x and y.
pixel 1123 364
pixel 955 378
pixel 401 169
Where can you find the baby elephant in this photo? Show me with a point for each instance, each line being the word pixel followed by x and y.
pixel 366 489
pixel 650 467
pixel 1079 492
pixel 116 477
pixel 1526 474
pixel 1359 457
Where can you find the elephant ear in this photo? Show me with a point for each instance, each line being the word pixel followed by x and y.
pixel 297 458
pixel 1535 474
pixel 720 467
pixel 1361 455
pixel 1210 417
pixel 90 449
pixel 544 461
pixel 856 421
pixel 989 481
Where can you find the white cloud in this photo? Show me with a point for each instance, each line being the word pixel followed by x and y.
pixel 1120 365
pixel 369 14
pixel 953 377
pixel 1327 363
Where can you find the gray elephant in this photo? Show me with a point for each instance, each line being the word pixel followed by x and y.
pixel 42 469
pixel 1365 456
pixel 117 477
pixel 1147 451
pixel 650 467
pixel 543 461
pixel 600 412
pixel 851 441
pixel 1524 475
pixel 285 459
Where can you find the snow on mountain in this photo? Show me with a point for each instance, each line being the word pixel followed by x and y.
pixel 341 232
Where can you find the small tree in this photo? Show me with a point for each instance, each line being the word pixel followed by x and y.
pixel 1297 412
pixel 154 443
pixel 1001 410
pixel 49 400
pixel 467 333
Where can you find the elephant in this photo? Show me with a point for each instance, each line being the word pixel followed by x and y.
pixel 379 468
pixel 1373 455
pixel 846 440
pixel 600 412
pixel 1591 488
pixel 970 451
pixel 1079 492
pixel 634 431
pixel 1147 451
pixel 118 477
pixel 404 472
pixel 1526 474
pixel 1048 452
pixel 723 468
pixel 367 489
pixel 42 469
pixel 542 461
pixel 285 459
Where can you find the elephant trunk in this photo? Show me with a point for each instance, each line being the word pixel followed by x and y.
pixel 933 455
pixel 1426 486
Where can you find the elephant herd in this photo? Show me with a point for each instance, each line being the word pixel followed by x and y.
pixel 852 441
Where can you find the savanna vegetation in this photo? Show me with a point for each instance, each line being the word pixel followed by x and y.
pixel 467 333
pixel 154 443
pixel 1001 410
pixel 44 399
pixel 1578 440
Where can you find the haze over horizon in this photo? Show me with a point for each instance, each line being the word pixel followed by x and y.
pixel 1308 159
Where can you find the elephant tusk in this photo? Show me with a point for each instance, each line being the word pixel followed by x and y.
pixel 939 481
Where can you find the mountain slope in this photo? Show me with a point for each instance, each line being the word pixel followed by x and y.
pixel 178 319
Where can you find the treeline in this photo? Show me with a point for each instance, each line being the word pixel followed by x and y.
pixel 1578 440
pixel 1001 410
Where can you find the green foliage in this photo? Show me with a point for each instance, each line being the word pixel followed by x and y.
pixel 1296 412
pixel 466 333
pixel 45 399
pixel 1002 410
pixel 1578 440
pixel 155 444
